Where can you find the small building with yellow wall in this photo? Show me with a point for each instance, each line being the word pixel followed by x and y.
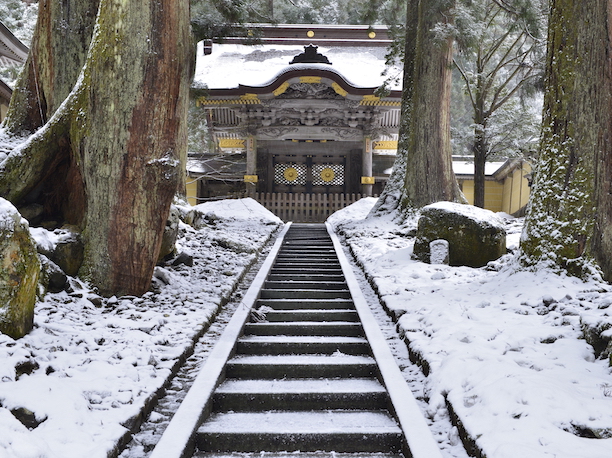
pixel 507 184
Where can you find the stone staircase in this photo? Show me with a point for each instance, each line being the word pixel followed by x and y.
pixel 302 377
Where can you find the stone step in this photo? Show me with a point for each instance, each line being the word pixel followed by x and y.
pixel 278 345
pixel 308 248
pixel 300 394
pixel 284 256
pixel 302 284
pixel 305 259
pixel 314 266
pixel 293 285
pixel 321 252
pixel 273 316
pixel 301 304
pixel 297 234
pixel 304 294
pixel 319 265
pixel 320 248
pixel 297 454
pixel 304 270
pixel 277 276
pixel 310 431
pixel 305 328
pixel 300 366
pixel 307 245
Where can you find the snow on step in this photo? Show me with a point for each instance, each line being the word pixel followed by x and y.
pixel 299 454
pixel 302 339
pixel 321 328
pixel 278 344
pixel 338 430
pixel 313 360
pixel 300 366
pixel 305 422
pixel 356 385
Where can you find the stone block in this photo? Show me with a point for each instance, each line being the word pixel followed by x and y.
pixel 475 236
pixel 19 272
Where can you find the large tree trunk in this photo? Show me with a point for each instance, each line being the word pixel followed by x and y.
pixel 57 55
pixel 479 149
pixel 122 134
pixel 391 195
pixel 422 172
pixel 429 171
pixel 570 211
pixel 602 239
pixel 135 95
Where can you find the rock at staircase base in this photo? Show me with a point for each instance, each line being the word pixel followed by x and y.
pixel 475 236
pixel 20 269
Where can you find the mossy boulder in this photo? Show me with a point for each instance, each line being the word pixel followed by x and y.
pixel 52 277
pixel 69 251
pixel 596 332
pixel 63 247
pixel 18 274
pixel 475 236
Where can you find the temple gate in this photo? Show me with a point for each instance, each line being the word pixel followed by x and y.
pixel 307 132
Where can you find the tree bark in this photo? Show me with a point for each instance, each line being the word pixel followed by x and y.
pixel 429 172
pixel 135 95
pixel 602 239
pixel 124 128
pixel 57 55
pixel 391 195
pixel 422 172
pixel 479 150
pixel 569 219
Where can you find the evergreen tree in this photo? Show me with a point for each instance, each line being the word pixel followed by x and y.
pixel 570 218
pixel 500 60
pixel 107 144
pixel 422 173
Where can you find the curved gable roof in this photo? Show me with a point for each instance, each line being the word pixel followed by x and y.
pixel 243 69
pixel 296 73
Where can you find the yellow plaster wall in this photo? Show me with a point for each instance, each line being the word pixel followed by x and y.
pixel 516 190
pixel 192 190
pixel 509 196
pixel 467 186
pixel 493 194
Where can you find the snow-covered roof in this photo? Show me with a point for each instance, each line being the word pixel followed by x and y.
pixel 467 167
pixel 11 49
pixel 230 65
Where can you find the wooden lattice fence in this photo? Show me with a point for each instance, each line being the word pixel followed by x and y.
pixel 304 208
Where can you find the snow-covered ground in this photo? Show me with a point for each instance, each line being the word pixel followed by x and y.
pixel 503 347
pixel 94 362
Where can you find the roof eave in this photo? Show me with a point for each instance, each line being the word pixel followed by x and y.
pixel 304 70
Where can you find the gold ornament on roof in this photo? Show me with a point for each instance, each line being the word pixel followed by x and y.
pixel 290 174
pixel 327 175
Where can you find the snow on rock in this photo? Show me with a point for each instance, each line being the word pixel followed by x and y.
pixel 9 216
pixel 478 214
pixel 475 236
pixel 19 273
pixel 90 363
pixel 504 347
